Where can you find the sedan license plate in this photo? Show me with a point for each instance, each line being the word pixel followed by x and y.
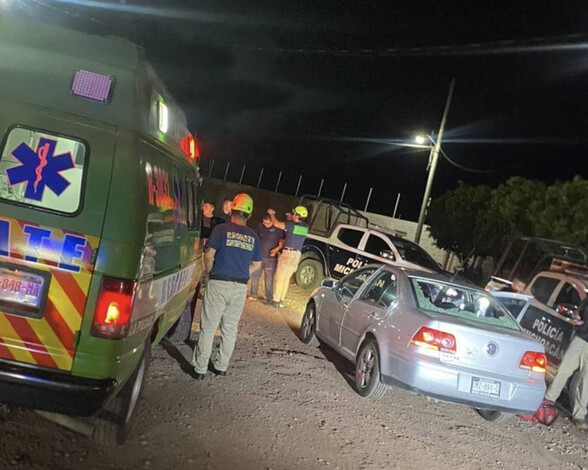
pixel 485 387
pixel 22 291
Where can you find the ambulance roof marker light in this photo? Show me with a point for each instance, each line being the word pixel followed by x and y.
pixel 93 86
pixel 163 117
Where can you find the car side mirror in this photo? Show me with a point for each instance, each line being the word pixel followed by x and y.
pixel 387 254
pixel 328 283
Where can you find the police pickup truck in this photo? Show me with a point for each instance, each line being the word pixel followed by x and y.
pixel 547 281
pixel 341 239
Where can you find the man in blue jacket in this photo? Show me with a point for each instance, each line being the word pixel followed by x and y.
pixel 233 251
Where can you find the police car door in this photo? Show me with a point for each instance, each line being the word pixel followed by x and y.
pixel 543 323
pixel 371 248
pixel 343 250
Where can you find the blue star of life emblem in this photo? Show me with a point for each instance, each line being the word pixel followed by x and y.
pixel 40 168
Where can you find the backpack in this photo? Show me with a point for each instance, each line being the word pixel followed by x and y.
pixel 545 414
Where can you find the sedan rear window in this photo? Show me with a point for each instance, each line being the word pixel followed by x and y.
pixel 457 301
pixel 42 170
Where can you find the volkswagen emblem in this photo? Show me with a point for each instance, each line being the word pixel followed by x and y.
pixel 491 348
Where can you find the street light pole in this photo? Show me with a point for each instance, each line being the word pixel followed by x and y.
pixel 434 158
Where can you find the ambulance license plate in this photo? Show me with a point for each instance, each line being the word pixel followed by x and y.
pixel 22 292
pixel 485 387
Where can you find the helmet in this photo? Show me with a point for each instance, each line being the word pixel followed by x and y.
pixel 301 211
pixel 242 202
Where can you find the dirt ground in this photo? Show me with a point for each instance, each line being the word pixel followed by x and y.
pixel 284 405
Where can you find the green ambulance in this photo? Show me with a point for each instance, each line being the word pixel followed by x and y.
pixel 100 251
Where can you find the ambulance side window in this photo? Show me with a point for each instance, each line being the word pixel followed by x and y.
pixel 197 204
pixel 191 205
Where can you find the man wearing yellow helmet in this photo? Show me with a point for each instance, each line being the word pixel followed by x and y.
pixel 233 251
pixel 296 231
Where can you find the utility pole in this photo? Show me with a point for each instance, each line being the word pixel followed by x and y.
pixel 434 158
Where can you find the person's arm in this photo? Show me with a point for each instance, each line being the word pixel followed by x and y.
pixel 277 249
pixel 276 222
pixel 209 258
pixel 254 266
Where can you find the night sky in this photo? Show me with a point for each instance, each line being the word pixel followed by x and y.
pixel 325 88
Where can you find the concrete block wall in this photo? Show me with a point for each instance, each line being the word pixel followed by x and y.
pixel 217 190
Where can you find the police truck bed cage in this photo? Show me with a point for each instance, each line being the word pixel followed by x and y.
pixel 327 213
pixel 526 256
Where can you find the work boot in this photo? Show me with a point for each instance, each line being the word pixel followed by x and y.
pixel 581 424
pixel 215 371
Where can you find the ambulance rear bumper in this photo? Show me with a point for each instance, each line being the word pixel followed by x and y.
pixel 53 391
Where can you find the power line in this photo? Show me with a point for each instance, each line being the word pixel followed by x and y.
pixel 465 168
pixel 543 44
pixel 571 42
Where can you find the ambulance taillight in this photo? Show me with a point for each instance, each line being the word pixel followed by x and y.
pixel 113 308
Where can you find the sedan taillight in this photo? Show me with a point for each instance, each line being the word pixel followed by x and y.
pixel 430 338
pixel 535 361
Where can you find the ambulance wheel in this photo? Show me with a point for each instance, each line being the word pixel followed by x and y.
pixel 180 331
pixel 113 422
pixel 495 416
pixel 574 390
pixel 309 274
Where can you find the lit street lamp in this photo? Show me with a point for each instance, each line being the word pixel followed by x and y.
pixel 421 139
pixel 433 158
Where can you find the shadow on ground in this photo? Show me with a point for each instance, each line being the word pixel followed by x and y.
pixel 176 354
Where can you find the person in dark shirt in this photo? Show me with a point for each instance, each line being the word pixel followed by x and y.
pixel 209 221
pixel 233 252
pixel 225 210
pixel 296 231
pixel 271 243
pixel 575 358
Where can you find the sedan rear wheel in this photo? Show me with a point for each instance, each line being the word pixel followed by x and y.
pixel 495 416
pixel 368 381
pixel 308 326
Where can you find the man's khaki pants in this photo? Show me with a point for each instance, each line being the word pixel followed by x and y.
pixel 222 305
pixel 287 265
pixel 576 357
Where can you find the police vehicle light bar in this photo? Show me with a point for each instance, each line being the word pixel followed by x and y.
pixel 91 85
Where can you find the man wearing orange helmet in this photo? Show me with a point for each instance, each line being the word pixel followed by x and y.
pixel 296 231
pixel 233 251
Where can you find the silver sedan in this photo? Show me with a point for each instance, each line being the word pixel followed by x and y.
pixel 429 335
